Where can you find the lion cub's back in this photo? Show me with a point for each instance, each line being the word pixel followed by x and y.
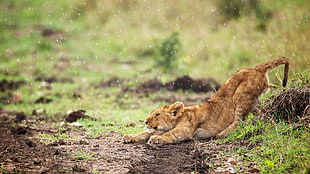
pixel 253 83
pixel 246 82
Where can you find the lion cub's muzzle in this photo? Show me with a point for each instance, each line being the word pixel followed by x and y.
pixel 149 128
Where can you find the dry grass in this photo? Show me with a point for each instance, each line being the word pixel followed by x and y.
pixel 291 105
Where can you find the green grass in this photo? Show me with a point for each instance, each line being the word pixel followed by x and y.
pixel 84 155
pixel 47 138
pixel 278 148
pixel 4 171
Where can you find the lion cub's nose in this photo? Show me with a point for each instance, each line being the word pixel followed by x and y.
pixel 146 122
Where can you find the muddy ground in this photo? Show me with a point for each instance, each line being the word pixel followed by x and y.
pixel 21 151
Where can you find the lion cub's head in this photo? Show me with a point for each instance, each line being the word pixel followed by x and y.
pixel 164 118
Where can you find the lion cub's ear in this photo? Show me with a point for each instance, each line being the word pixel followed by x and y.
pixel 176 109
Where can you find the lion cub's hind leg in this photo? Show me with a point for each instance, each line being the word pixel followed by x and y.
pixel 202 133
pixel 232 126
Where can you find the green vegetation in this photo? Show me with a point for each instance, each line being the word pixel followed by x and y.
pixel 47 138
pixel 168 53
pixel 278 148
pixel 4 171
pixel 77 45
pixel 84 155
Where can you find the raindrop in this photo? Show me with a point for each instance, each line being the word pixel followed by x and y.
pixel 84 80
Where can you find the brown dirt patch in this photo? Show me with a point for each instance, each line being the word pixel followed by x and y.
pixel 10 85
pixel 184 83
pixel 23 150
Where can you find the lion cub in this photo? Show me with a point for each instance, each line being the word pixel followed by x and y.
pixel 215 118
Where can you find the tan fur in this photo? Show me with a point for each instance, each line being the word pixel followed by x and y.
pixel 215 118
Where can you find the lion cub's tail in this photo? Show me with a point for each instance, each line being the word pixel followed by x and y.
pixel 267 66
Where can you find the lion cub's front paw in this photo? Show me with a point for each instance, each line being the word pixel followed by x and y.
pixel 129 139
pixel 157 139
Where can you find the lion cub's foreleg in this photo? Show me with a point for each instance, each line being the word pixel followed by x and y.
pixel 173 136
pixel 132 138
pixel 141 137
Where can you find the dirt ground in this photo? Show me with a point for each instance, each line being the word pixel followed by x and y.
pixel 21 151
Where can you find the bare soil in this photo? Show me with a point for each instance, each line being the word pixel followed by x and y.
pixel 22 150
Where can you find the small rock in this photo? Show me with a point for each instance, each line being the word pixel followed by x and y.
pixel 82 142
pixel 77 169
pixel 131 124
pixel 75 115
pixel 4 117
pixel 254 170
pixel 44 170
pixel 20 130
pixel 57 152
pixel 36 161
pixel 43 100
pixel 225 170
pixel 231 161
pixel 20 117
pixel 17 97
pixel 46 85
pixel 76 124
pixel 30 143
pixel 38 112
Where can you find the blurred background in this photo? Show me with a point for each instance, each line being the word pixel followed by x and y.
pixel 205 38
pixel 70 50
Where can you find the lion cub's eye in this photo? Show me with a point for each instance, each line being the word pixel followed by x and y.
pixel 157 114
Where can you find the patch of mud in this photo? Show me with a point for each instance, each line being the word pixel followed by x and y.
pixel 199 85
pixel 43 100
pixel 51 33
pixel 24 149
pixel 75 115
pixel 20 154
pixel 10 85
pixel 167 90
pixel 149 86
pixel 53 79
pixel 184 83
